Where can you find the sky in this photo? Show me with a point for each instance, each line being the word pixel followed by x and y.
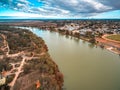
pixel 62 9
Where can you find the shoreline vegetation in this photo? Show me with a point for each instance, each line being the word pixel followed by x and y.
pixel 29 61
pixel 25 63
pixel 92 31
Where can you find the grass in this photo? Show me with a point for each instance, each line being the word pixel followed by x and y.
pixel 114 37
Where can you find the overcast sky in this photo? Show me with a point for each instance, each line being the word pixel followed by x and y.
pixel 61 8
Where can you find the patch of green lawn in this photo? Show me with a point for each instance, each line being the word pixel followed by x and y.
pixel 114 37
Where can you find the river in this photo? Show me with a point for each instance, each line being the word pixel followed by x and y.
pixel 85 66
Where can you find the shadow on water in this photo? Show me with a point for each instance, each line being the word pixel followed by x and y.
pixel 76 40
pixel 83 41
pixel 91 45
pixel 67 36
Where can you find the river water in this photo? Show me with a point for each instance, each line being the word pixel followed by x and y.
pixel 85 66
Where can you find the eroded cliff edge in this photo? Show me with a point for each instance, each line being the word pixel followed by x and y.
pixel 25 61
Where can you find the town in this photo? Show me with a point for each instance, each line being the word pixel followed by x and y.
pixel 103 33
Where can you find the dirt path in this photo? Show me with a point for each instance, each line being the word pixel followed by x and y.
pixel 6 46
pixel 113 44
pixel 22 62
pixel 17 73
pixel 21 66
pixel 16 54
pixel 109 45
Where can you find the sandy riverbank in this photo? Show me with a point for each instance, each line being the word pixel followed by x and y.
pixel 109 45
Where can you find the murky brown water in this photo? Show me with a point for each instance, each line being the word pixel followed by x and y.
pixel 84 66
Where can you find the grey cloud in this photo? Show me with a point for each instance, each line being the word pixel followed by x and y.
pixel 75 6
pixel 113 3
pixel 82 8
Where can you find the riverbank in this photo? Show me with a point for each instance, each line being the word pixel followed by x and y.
pixel 111 45
pixel 99 40
pixel 86 30
pixel 91 67
pixel 26 61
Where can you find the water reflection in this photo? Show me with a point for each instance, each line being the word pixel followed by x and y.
pixel 76 40
pixel 83 41
pixel 91 45
pixel 67 36
pixel 84 68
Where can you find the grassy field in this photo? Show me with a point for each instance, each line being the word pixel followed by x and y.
pixel 114 37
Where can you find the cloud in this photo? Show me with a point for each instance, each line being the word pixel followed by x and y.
pixel 98 6
pixel 113 3
pixel 70 8
pixel 24 2
pixel 15 4
pixel 76 7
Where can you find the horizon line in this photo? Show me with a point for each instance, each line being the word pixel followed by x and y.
pixel 24 17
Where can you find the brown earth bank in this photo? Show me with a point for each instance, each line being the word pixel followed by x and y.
pixel 110 45
pixel 26 63
pixel 96 38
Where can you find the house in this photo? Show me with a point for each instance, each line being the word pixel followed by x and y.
pixel 75 31
pixel 70 27
pixel 82 32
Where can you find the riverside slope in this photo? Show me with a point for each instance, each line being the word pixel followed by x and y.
pixel 26 60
